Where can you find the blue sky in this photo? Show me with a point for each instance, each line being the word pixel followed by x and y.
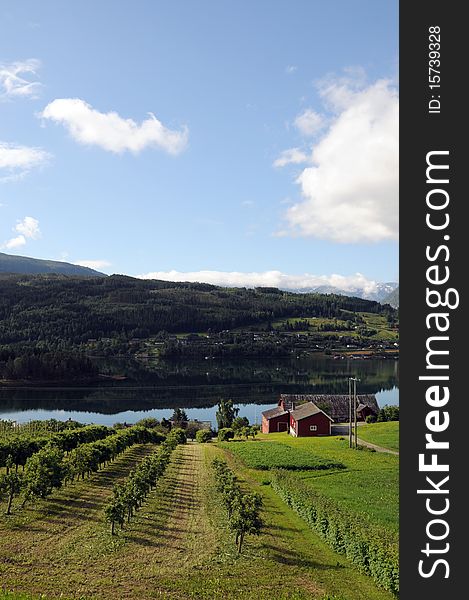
pixel 262 140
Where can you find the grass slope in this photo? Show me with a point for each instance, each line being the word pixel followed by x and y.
pixel 177 546
pixel 369 485
pixel 381 434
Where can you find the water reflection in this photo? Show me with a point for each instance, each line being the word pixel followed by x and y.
pixel 197 386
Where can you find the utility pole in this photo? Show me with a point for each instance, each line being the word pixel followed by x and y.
pixel 349 412
pixel 355 410
pixel 354 379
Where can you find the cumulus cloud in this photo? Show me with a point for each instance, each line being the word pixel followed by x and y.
pixel 14 79
pixel 269 279
pixel 27 229
pixel 112 132
pixel 16 161
pixel 350 188
pixel 309 122
pixel 93 264
pixel 294 156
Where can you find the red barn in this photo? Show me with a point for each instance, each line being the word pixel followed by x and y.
pixel 274 420
pixel 309 420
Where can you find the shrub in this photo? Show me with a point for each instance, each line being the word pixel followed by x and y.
pixel 203 436
pixel 370 419
pixel 178 434
pixel 192 429
pixel 225 434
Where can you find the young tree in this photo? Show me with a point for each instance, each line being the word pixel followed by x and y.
pixel 225 435
pixel 115 511
pixel 226 413
pixel 239 423
pixel 43 472
pixel 179 417
pixel 245 518
pixel 10 484
pixel 203 436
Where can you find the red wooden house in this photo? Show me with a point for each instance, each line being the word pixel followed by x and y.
pixel 309 420
pixel 274 420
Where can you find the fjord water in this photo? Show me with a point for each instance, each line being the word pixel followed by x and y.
pixel 197 386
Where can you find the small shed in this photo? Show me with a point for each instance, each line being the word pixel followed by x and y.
pixel 274 420
pixel 363 411
pixel 309 420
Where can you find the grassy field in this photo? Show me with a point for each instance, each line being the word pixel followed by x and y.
pixel 177 546
pixel 372 321
pixel 381 434
pixel 271 455
pixel 369 485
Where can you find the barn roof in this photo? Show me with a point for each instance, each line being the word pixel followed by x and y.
pixel 274 412
pixel 307 410
pixel 336 406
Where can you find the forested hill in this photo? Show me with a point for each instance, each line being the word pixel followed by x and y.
pixel 10 263
pixel 53 310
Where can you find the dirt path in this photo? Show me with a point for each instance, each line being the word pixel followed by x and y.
pixel 377 448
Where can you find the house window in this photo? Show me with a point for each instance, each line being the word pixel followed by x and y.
pixel 313 427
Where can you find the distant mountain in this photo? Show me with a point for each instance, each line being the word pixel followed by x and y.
pixel 35 266
pixel 392 298
pixel 379 293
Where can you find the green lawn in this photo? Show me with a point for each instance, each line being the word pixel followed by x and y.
pixel 369 485
pixel 381 434
pixel 272 455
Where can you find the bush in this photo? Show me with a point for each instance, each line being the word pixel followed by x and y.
pixel 192 429
pixel 370 419
pixel 225 434
pixel 178 434
pixel 372 549
pixel 203 436
pixel 388 413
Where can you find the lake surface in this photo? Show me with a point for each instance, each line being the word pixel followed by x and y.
pixel 197 386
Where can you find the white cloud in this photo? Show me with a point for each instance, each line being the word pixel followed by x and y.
pixel 13 84
pixel 93 264
pixel 350 190
pixel 268 279
pixel 15 242
pixel 291 69
pixel 294 156
pixel 110 131
pixel 309 122
pixel 17 160
pixel 27 229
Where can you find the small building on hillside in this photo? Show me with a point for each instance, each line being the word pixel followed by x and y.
pixel 309 420
pixel 336 406
pixel 275 420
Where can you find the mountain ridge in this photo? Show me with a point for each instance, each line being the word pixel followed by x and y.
pixel 25 265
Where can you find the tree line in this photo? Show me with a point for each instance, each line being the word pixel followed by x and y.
pixel 21 447
pixel 51 467
pixel 244 510
pixel 50 310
